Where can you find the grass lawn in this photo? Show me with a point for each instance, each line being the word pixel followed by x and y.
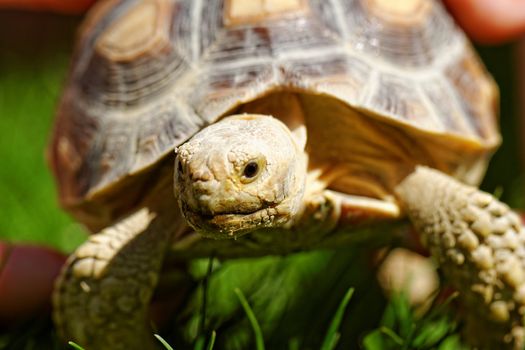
pixel 294 298
pixel 32 65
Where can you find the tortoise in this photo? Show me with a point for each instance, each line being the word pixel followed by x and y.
pixel 242 128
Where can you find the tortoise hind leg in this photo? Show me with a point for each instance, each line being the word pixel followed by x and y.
pixel 102 297
pixel 479 244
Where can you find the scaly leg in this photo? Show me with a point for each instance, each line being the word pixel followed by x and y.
pixel 479 244
pixel 102 298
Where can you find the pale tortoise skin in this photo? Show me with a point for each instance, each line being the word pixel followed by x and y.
pixel 325 117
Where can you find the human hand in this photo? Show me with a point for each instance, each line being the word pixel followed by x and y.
pixel 489 21
pixel 27 274
pixel 60 6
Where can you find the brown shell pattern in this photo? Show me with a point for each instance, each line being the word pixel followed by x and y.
pixel 148 74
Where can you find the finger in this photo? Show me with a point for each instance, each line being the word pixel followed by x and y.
pixel 489 21
pixel 27 274
pixel 61 6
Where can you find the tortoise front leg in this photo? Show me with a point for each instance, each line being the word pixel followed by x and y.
pixel 479 244
pixel 102 297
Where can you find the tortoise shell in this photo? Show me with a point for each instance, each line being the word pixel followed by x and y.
pixel 148 74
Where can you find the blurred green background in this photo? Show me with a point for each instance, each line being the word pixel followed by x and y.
pixel 293 297
pixel 34 54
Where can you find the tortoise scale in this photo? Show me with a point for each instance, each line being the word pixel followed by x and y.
pixel 287 125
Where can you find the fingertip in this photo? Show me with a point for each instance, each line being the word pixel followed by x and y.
pixel 27 277
pixel 58 6
pixel 488 21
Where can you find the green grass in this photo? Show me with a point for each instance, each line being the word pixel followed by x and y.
pixel 333 335
pixel 163 342
pixel 401 329
pixel 259 341
pixel 432 331
pixel 78 347
pixel 32 67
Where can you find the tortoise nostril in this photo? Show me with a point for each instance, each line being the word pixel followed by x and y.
pixel 201 175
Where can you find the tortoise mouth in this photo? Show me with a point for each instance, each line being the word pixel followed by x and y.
pixel 227 225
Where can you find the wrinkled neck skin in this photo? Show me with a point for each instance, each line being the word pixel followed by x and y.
pixel 243 173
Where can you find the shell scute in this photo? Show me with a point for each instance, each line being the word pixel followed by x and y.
pixel 221 90
pixel 163 133
pixel 239 12
pixel 337 75
pixel 400 99
pixel 134 58
pixel 445 103
pixel 478 97
pixel 416 43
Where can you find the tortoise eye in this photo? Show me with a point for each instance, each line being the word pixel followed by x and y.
pixel 250 170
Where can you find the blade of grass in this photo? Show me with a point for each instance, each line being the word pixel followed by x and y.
pixel 374 340
pixel 212 341
pixel 440 308
pixel 205 282
pixel 199 343
pixel 75 345
pixel 392 335
pixel 408 339
pixel 293 344
pixel 259 341
pixel 165 343
pixel 437 308
pixel 331 338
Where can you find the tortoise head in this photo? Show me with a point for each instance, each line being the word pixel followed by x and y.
pixel 240 174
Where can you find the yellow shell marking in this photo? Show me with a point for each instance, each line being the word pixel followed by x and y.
pixel 136 33
pixel 249 11
pixel 400 12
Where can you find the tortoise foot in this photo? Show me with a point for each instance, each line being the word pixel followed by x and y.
pixel 479 244
pixel 102 297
